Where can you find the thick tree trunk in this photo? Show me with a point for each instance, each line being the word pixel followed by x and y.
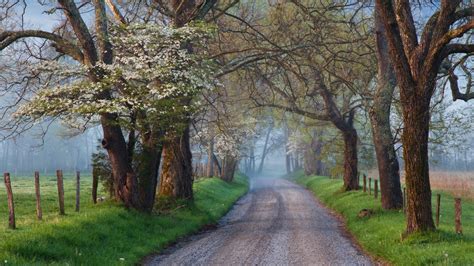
pixel 125 185
pixel 379 113
pixel 228 169
pixel 148 164
pixel 350 160
pixel 176 174
pixel 388 167
pixel 416 119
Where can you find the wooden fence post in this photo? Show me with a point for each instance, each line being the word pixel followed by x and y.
pixel 11 205
pixel 365 183
pixel 376 188
pixel 39 211
pixel 95 184
pixel 438 204
pixel 59 175
pixel 458 213
pixel 370 186
pixel 78 190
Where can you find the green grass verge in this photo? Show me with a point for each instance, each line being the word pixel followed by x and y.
pixel 380 234
pixel 102 234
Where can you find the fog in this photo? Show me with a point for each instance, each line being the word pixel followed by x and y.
pixel 57 149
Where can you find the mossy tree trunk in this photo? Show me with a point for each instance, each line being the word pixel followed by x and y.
pixel 176 175
pixel 379 113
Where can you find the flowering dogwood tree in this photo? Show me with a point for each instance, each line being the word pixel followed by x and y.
pixel 229 138
pixel 130 77
pixel 152 68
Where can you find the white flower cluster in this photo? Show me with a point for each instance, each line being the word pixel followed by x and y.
pixel 296 142
pixel 229 139
pixel 154 66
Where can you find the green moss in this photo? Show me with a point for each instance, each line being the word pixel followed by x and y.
pixel 380 234
pixel 102 234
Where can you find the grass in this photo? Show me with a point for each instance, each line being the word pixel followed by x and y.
pixel 102 234
pixel 380 234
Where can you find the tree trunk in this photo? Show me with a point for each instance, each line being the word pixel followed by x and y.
pixel 252 160
pixel 350 160
pixel 265 148
pixel 176 174
pixel 125 185
pixel 388 166
pixel 288 162
pixel 309 161
pixel 416 119
pixel 228 169
pixel 148 164
pixel 210 159
pixel 312 156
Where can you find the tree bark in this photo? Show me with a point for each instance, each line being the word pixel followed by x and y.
pixel 176 175
pixel 312 156
pixel 350 160
pixel 125 181
pixel 147 169
pixel 416 119
pixel 229 169
pixel 388 166
pixel 345 123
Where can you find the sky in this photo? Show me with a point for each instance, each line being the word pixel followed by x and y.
pixel 35 16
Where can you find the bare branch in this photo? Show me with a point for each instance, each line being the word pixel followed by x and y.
pixel 62 45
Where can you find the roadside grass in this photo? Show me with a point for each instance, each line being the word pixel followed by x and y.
pixel 106 233
pixel 380 234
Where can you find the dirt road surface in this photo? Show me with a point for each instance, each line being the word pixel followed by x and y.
pixel 276 223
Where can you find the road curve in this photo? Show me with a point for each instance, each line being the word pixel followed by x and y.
pixel 276 223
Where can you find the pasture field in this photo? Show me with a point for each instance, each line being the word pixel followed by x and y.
pixel 380 234
pixel 457 183
pixel 105 233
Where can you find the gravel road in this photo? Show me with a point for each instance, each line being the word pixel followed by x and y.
pixel 276 223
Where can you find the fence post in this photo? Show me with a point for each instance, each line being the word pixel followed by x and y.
pixel 11 205
pixel 365 183
pixel 78 190
pixel 370 186
pixel 438 204
pixel 39 211
pixel 59 175
pixel 376 188
pixel 458 212
pixel 95 184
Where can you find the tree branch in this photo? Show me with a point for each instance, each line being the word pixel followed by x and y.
pixel 116 12
pixel 59 43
